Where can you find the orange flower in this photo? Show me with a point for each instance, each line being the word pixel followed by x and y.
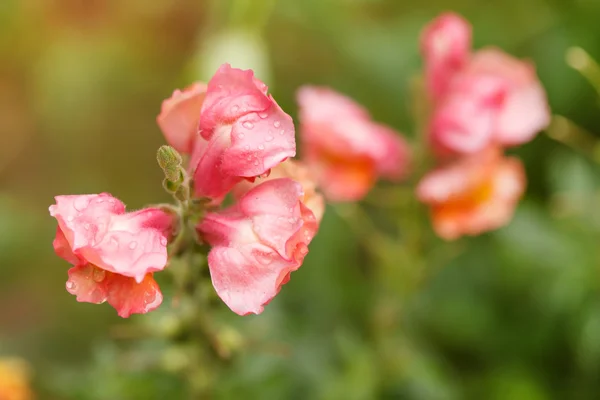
pixel 14 380
pixel 474 195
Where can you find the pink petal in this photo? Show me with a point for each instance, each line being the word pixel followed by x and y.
pixel 395 162
pixel 209 178
pixel 180 115
pixel 133 246
pixel 247 278
pixel 260 141
pixel 524 114
pixel 274 207
pixel 130 297
pixel 464 122
pixel 445 45
pixel 62 248
pixel 84 218
pixel 320 103
pixel 87 282
pixel 231 94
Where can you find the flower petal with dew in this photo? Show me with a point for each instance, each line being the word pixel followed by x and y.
pixel 445 46
pixel 246 131
pixel 473 195
pixel 257 243
pixel 298 172
pixel 180 116
pixel 344 148
pixel 114 253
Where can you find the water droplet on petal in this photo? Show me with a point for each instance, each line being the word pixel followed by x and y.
pixel 269 138
pixel 100 200
pixel 114 241
pixel 132 245
pixel 276 124
pixel 248 125
pixel 246 147
pixel 149 298
pixel 261 147
pixel 98 275
pixel 234 109
pixel 71 285
pixel 264 258
pixel 86 226
pixel 70 218
pixel 240 135
pixel 263 115
pixel 256 162
pixel 81 203
pixel 163 241
pixel 111 201
pixel 281 132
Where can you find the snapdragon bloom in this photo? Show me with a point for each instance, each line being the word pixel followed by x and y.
pixel 245 133
pixel 446 46
pixel 257 243
pixel 180 116
pixel 297 171
pixel 344 148
pixel 474 194
pixel 487 98
pixel 113 253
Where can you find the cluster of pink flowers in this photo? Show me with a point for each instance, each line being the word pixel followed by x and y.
pixel 239 143
pixel 482 102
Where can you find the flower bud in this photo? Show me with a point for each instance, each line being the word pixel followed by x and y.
pixel 170 161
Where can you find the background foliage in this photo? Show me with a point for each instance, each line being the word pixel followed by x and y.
pixel 514 314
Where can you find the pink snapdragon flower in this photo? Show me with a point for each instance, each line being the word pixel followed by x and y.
pixel 113 253
pixel 245 133
pixel 487 98
pixel 344 148
pixel 297 171
pixel 446 46
pixel 180 116
pixel 257 243
pixel 473 195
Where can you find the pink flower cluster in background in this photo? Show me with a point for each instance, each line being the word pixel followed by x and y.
pixel 482 102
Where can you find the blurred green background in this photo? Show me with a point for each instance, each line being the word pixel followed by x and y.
pixel 514 314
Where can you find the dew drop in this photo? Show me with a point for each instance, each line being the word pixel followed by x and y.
pixel 240 135
pixel 244 109
pixel 261 147
pixel 111 201
pixel 256 162
pixel 86 226
pixel 81 203
pixel 263 115
pixel 163 241
pixel 71 285
pixel 248 125
pixel 246 147
pixel 70 218
pixel 100 200
pixel 114 241
pixel 269 138
pixel 292 220
pixel 264 259
pixel 98 275
pixel 149 298
pixel 276 124
pixel 132 245
pixel 234 109
pixel 281 132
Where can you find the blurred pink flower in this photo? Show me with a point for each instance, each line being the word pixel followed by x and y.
pixel 114 253
pixel 473 195
pixel 297 171
pixel 245 133
pixel 180 116
pixel 344 148
pixel 445 46
pixel 495 100
pixel 480 99
pixel 257 243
